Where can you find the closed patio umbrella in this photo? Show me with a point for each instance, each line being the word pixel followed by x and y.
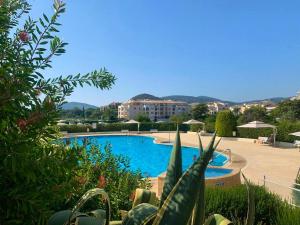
pixel 259 124
pixel 297 134
pixel 134 121
pixel 192 121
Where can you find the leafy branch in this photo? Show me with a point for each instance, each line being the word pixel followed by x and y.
pixel 56 46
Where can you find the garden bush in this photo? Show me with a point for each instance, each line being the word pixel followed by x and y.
pixel 225 123
pixel 38 174
pixel 107 127
pixel 196 127
pixel 75 128
pixel 284 128
pixel 210 123
pixel 98 167
pixel 232 203
pixel 254 133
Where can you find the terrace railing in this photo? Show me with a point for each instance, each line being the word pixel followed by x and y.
pixel 289 193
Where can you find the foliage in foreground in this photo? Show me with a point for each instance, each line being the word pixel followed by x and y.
pixel 99 167
pixel 37 175
pixel 231 203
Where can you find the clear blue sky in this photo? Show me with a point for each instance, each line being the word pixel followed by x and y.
pixel 230 49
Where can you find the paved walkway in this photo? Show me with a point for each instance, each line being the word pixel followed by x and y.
pixel 279 165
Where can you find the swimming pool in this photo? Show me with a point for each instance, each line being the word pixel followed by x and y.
pixel 151 158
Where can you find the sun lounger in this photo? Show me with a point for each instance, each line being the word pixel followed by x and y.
pixel 153 130
pixel 263 140
pixel 124 131
pixel 297 144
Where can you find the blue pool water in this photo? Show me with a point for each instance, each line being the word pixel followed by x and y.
pixel 151 158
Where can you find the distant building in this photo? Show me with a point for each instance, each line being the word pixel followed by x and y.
pixel 154 109
pixel 297 97
pixel 269 106
pixel 215 107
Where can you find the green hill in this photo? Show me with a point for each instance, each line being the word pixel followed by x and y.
pixel 72 105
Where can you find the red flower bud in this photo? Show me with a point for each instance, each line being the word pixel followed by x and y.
pixel 82 180
pixel 132 196
pixel 24 36
pixel 101 182
pixel 21 123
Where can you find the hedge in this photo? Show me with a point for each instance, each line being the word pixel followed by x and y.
pixel 284 128
pixel 232 203
pixel 196 127
pixel 123 126
pixel 254 133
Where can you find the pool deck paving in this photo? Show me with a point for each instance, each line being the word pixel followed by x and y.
pixel 278 165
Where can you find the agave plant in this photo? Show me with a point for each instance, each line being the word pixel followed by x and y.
pixel 182 200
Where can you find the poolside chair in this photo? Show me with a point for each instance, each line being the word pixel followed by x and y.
pixel 153 130
pixel 262 140
pixel 125 131
pixel 297 144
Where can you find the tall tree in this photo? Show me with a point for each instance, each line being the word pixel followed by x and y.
pixel 288 110
pixel 83 112
pixel 142 117
pixel 254 113
pixel 225 123
pixel 200 112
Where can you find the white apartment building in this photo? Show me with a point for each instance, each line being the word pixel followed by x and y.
pixel 297 97
pixel 215 107
pixel 154 109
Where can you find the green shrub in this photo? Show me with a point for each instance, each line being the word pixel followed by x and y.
pixel 107 127
pixel 99 167
pixel 210 123
pixel 232 203
pixel 75 128
pixel 225 123
pixel 196 127
pixel 254 133
pixel 286 127
pixel 287 214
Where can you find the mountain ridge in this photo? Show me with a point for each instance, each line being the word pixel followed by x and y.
pixel 186 98
pixel 203 99
pixel 72 105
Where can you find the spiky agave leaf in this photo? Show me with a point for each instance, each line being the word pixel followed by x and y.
pixel 68 216
pixel 174 170
pixel 198 215
pixel 251 202
pixel 177 208
pixel 144 196
pixel 141 215
pixel 200 144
